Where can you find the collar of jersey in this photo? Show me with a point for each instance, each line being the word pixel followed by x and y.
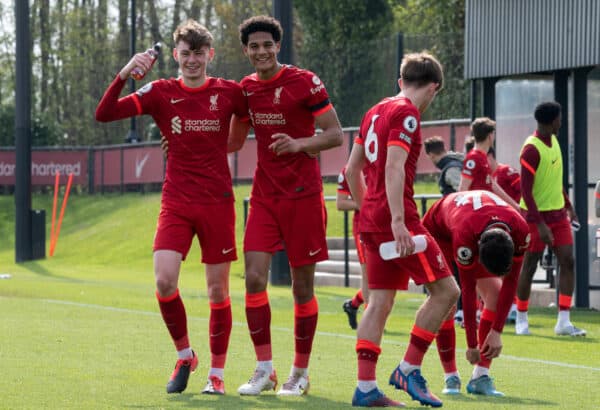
pixel 275 77
pixel 194 89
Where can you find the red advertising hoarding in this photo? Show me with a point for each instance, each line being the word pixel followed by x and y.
pixel 45 165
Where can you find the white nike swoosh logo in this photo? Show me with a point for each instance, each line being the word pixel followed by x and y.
pixel 226 251
pixel 253 332
pixel 139 165
pixel 248 94
pixel 313 253
pixel 217 334
pixel 174 101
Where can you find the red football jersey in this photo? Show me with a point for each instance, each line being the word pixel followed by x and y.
pixel 195 121
pixel 393 121
pixel 287 103
pixel 477 210
pixel 457 222
pixel 477 168
pixel 509 180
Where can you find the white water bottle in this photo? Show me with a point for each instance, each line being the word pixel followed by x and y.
pixel 387 250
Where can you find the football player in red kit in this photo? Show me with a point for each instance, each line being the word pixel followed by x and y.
pixel 286 204
pixel 344 202
pixel 387 150
pixel 193 113
pixel 506 176
pixel 476 172
pixel 488 250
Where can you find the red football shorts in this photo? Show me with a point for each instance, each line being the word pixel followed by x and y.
pixel 214 224
pixel 296 225
pixel 561 231
pixel 360 247
pixel 424 267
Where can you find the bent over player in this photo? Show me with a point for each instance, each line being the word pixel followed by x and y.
pixel 193 112
pixel 487 245
pixel 387 149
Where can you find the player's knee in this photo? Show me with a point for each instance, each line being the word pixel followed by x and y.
pixel 217 293
pixel 165 286
pixel 256 281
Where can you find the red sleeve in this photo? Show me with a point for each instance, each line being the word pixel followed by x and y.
pixel 470 166
pixel 318 99
pixel 403 128
pixel 112 108
pixel 507 294
pixel 241 105
pixel 469 302
pixel 530 160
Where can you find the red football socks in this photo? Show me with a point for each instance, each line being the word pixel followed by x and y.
pixel 446 346
pixel 173 313
pixel 258 315
pixel 420 339
pixel 305 326
pixel 367 354
pixel 220 323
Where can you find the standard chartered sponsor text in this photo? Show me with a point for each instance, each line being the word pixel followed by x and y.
pixel 43 169
pixel 269 118
pixel 203 125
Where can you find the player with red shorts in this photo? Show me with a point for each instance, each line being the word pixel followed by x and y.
pixel 488 250
pixel 549 213
pixel 344 202
pixel 387 150
pixel 193 113
pixel 286 204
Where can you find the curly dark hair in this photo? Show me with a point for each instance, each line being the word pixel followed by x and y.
pixel 546 112
pixel 260 23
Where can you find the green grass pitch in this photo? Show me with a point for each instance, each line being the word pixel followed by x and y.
pixel 82 330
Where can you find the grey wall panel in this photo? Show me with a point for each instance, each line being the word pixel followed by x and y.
pixel 508 37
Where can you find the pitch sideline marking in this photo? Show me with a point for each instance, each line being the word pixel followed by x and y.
pixel 329 334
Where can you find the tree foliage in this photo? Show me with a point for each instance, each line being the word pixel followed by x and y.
pixel 348 43
pixel 438 26
pixel 78 46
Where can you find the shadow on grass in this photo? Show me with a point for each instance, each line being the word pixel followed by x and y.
pixel 509 401
pixel 234 401
pixel 38 269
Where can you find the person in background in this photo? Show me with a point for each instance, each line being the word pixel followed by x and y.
pixel 344 202
pixel 469 144
pixel 549 214
pixel 449 163
pixel 476 173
